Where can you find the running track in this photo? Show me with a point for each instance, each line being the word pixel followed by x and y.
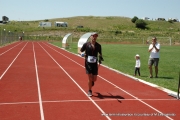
pixel 39 81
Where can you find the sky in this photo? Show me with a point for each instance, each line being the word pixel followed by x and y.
pixel 28 10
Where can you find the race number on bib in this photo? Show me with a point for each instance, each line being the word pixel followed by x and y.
pixel 91 59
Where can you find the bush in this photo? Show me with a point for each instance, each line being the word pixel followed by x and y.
pixel 46 20
pixel 170 21
pixel 134 19
pixel 140 23
pixel 117 32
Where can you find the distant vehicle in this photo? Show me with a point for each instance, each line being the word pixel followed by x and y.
pixel 162 19
pixel 173 19
pixel 61 24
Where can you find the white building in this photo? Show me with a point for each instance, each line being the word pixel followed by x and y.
pixel 45 24
pixel 61 24
pixel 145 18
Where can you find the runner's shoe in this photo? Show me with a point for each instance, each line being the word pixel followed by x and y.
pixel 90 93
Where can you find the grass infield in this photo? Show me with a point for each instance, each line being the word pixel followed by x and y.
pixel 121 58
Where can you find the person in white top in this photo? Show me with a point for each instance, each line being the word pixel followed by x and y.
pixel 137 65
pixel 154 49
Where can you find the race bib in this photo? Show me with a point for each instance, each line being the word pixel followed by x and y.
pixel 91 59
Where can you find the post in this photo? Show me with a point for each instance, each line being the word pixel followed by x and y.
pixel 9 37
pixel 22 36
pixel 178 87
pixel 4 35
pixel 1 35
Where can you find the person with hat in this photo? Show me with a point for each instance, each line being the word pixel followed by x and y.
pixel 137 65
pixel 92 49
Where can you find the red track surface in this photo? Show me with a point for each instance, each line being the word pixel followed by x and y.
pixel 39 81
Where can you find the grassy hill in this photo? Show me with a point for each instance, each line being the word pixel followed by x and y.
pixel 111 29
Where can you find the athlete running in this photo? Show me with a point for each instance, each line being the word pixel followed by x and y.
pixel 92 48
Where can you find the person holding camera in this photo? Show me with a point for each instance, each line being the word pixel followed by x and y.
pixel 154 49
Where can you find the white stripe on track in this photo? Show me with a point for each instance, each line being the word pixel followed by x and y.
pixel 76 83
pixel 38 85
pixel 9 49
pixel 114 85
pixel 99 100
pixel 12 62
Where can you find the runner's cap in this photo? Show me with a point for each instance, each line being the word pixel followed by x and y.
pixel 94 34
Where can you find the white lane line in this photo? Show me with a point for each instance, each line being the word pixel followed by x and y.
pixel 12 62
pixel 9 49
pixel 38 85
pixel 115 86
pixel 76 83
pixel 18 103
pixel 98 100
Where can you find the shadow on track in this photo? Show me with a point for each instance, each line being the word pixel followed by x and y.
pixel 100 96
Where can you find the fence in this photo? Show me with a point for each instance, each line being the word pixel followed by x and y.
pixel 37 37
pixel 8 37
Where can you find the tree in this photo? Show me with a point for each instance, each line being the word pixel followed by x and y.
pixel 170 21
pixel 134 19
pixel 140 23
pixel 46 20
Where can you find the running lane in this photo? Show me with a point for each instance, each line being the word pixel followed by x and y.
pixel 8 54
pixel 8 47
pixel 18 86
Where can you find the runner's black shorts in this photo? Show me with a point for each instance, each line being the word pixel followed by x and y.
pixel 91 68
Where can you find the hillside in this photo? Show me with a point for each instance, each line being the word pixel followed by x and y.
pixel 110 28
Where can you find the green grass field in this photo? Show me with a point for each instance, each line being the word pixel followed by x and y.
pixel 121 58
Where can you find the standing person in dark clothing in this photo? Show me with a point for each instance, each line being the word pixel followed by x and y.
pixel 92 48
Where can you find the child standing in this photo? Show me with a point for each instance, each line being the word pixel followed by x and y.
pixel 137 65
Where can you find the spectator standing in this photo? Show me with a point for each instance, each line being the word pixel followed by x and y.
pixel 154 49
